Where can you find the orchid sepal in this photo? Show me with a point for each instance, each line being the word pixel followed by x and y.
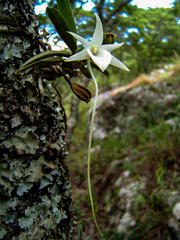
pixel 78 56
pixel 101 57
pixel 117 63
pixel 98 32
pixel 81 39
pixel 110 47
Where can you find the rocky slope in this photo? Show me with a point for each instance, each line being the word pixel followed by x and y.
pixel 140 185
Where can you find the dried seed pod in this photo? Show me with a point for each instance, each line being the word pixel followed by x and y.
pixel 81 92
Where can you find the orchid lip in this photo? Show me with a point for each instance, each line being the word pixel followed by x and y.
pixel 94 50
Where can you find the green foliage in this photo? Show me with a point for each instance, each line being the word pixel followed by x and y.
pixel 81 229
pixel 147 43
pixel 64 8
pixel 62 27
pixel 160 173
pixel 139 201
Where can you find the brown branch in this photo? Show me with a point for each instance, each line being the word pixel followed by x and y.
pixel 100 8
pixel 115 12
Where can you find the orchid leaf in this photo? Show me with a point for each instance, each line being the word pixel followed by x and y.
pixel 42 63
pixel 64 8
pixel 85 72
pixel 43 56
pixel 46 54
pixel 62 27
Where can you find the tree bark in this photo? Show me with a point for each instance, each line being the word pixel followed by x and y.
pixel 35 197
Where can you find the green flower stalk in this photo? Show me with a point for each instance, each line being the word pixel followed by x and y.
pixel 101 56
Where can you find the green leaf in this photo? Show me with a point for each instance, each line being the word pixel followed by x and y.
pixel 64 8
pixel 85 71
pixel 43 59
pixel 87 238
pixel 83 226
pixel 62 27
pixel 80 230
pixel 44 55
pixel 41 63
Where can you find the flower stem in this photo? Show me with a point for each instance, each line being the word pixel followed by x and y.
pixel 90 141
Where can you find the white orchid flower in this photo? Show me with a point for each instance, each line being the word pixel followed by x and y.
pixel 102 57
pixel 96 51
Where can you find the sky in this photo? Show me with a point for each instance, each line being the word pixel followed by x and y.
pixel 140 3
pixel 152 3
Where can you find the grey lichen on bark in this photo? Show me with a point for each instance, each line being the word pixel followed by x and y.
pixel 35 197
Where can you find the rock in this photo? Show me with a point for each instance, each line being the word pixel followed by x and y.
pixel 176 211
pixel 98 133
pixel 174 228
pixel 130 190
pixel 96 149
pixel 173 198
pixel 120 179
pixel 115 114
pixel 126 222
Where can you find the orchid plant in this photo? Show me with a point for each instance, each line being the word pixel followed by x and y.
pixel 102 58
pixel 94 52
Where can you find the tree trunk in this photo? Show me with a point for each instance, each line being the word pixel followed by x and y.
pixel 35 197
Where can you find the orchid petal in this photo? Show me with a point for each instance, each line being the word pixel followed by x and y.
pixel 97 38
pixel 78 56
pixel 109 47
pixel 115 62
pixel 102 59
pixel 81 39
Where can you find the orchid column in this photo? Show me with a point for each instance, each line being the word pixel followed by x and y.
pixel 101 56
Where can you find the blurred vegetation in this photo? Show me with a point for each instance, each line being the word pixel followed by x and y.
pixel 154 147
pixel 150 36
